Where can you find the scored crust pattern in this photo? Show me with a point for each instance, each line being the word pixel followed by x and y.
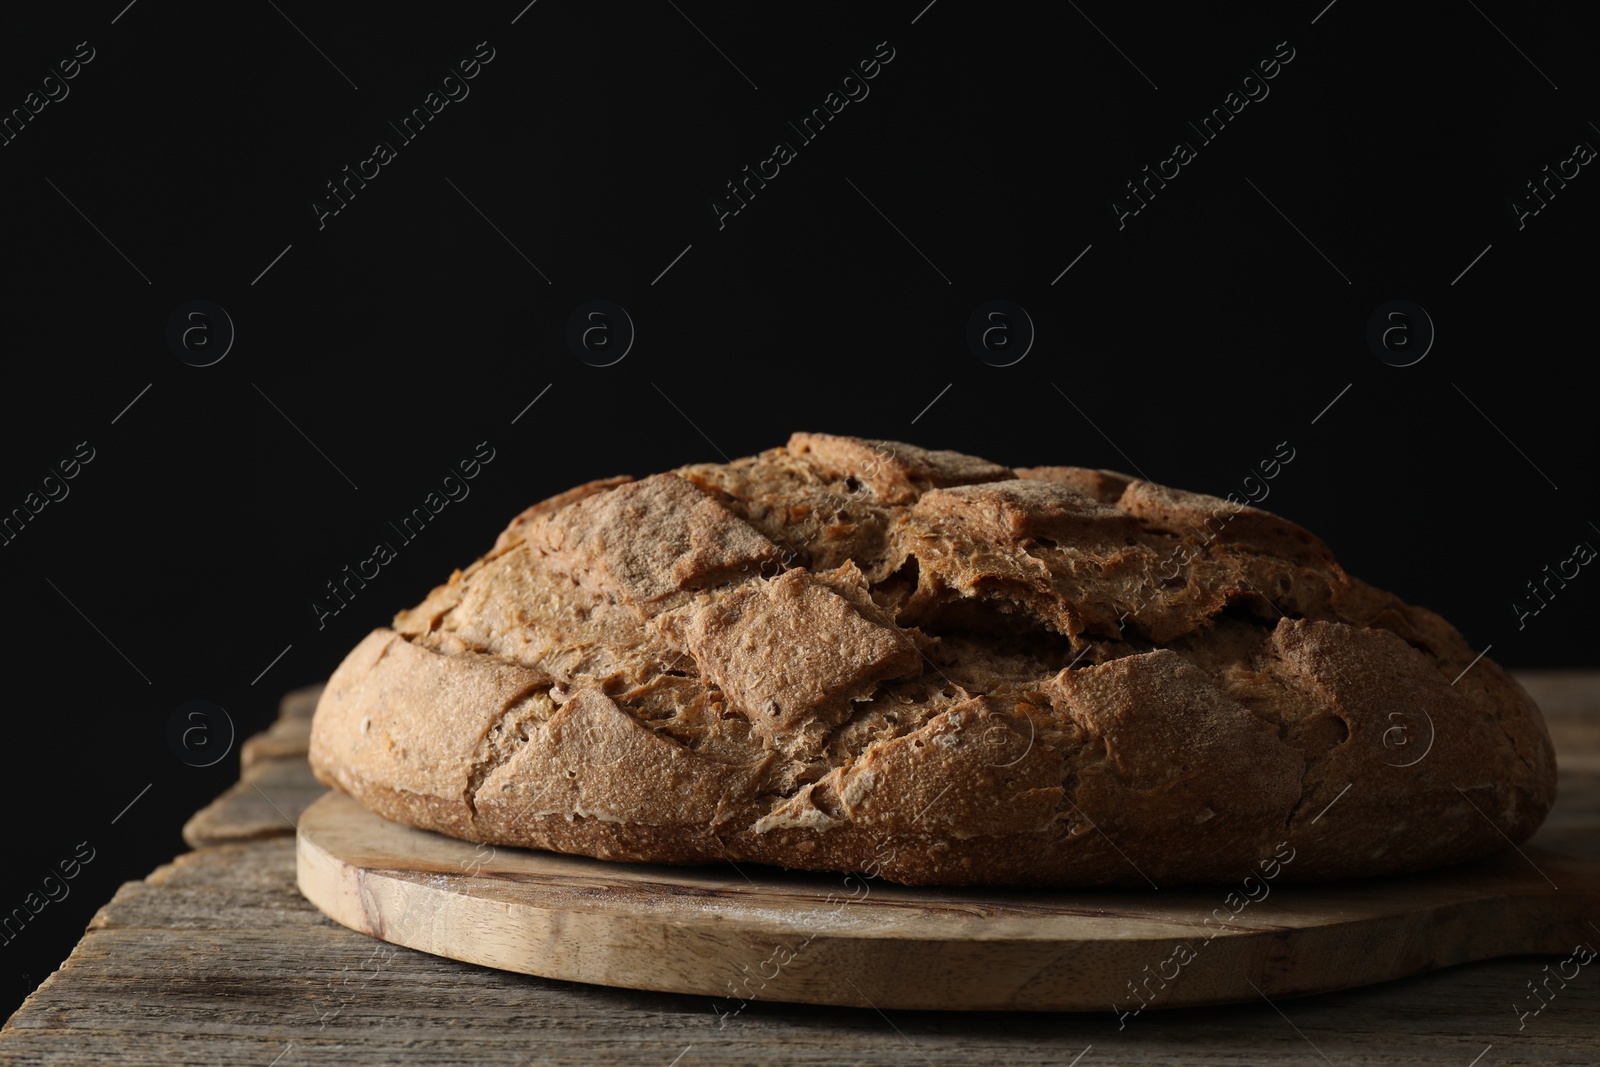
pixel 847 654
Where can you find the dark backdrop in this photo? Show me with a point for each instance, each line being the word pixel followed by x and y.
pixel 375 348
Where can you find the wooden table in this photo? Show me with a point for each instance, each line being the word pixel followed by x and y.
pixel 215 958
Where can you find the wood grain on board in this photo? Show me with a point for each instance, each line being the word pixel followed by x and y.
pixel 773 934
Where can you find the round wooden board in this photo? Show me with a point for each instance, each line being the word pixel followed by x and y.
pixel 764 934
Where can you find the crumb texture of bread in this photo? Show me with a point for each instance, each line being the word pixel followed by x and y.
pixel 848 654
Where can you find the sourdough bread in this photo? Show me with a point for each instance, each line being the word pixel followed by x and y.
pixel 859 655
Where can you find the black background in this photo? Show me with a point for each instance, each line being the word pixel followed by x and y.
pixel 380 349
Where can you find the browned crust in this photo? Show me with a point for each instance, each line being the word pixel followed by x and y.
pixel 847 655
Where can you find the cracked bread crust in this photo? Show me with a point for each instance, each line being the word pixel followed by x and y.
pixel 843 655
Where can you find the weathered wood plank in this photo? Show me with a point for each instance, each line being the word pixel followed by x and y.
pixel 299 703
pixel 1570 701
pixel 1573 827
pixel 266 802
pixel 166 977
pixel 288 737
pixel 217 959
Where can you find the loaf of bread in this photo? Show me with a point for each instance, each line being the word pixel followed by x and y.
pixel 847 655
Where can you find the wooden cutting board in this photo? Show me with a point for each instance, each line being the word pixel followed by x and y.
pixel 759 933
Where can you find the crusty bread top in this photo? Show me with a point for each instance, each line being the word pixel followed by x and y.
pixel 1050 675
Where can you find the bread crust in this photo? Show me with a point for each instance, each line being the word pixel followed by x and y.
pixel 856 655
